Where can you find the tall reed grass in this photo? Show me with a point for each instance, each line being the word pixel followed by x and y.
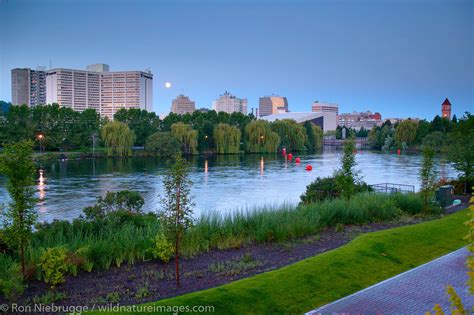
pixel 98 245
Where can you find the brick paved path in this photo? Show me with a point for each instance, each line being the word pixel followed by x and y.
pixel 413 292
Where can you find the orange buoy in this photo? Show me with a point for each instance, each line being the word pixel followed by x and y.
pixel 309 167
pixel 297 160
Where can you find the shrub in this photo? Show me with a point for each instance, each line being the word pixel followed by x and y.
pixel 54 265
pixel 11 278
pixel 162 249
pixel 124 200
pixel 327 188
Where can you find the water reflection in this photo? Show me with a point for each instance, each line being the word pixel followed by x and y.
pixel 230 181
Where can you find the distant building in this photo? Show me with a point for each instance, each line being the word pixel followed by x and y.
pixel 274 104
pixel 446 109
pixel 28 87
pixel 322 107
pixel 230 104
pixel 203 110
pixel 99 89
pixel 182 105
pixel 326 121
pixel 357 120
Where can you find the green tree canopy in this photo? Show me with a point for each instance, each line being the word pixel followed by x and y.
pixel 292 135
pixel 405 132
pixel 227 139
pixel 162 144
pixel 118 139
pixel 314 136
pixel 186 136
pixel 260 137
pixel 140 121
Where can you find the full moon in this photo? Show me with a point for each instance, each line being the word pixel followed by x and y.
pixel 167 85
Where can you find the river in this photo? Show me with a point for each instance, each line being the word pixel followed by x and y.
pixel 220 183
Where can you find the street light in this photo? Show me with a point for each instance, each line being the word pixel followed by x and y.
pixel 40 138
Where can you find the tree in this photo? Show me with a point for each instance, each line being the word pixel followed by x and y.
pixel 162 144
pixel 177 206
pixel 435 140
pixel 347 177
pixel 260 138
pixel 186 137
pixel 422 131
pixel 405 132
pixel 140 121
pixel 461 149
pixel 17 165
pixel 227 139
pixel 427 177
pixel 314 136
pixel 292 135
pixel 118 139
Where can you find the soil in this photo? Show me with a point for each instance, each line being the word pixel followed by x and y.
pixel 153 280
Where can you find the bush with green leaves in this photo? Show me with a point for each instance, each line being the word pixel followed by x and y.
pixel 11 278
pixel 163 249
pixel 54 265
pixel 124 200
pixel 327 188
pixel 162 144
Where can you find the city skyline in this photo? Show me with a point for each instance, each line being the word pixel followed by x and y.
pixel 398 58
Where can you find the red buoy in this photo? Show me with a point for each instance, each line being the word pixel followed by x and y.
pixel 297 160
pixel 398 151
pixel 283 152
pixel 355 151
pixel 290 156
pixel 309 167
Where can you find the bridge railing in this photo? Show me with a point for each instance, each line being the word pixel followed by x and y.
pixel 391 188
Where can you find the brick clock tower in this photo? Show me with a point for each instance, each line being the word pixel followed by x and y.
pixel 446 109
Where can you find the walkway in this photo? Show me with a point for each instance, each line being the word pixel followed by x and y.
pixel 413 292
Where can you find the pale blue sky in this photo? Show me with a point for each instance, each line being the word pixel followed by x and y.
pixel 401 58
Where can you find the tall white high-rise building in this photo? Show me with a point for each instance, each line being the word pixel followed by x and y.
pixel 182 105
pixel 99 89
pixel 229 103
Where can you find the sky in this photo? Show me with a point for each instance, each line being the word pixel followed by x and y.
pixel 401 58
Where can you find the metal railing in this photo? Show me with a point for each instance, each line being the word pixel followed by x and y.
pixel 391 188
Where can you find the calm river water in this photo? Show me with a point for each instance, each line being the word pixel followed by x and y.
pixel 221 183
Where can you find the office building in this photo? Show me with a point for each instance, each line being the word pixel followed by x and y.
pixel 182 105
pixel 323 107
pixel 99 89
pixel 28 87
pixel 230 104
pixel 446 109
pixel 274 104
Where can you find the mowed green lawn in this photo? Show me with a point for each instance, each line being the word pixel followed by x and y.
pixel 321 279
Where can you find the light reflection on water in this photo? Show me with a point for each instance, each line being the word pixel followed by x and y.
pixel 222 183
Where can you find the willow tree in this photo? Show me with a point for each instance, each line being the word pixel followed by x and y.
pixel 405 132
pixel 118 138
pixel 186 136
pixel 314 133
pixel 292 135
pixel 227 139
pixel 260 137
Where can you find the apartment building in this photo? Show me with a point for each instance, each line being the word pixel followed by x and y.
pixel 229 103
pixel 28 86
pixel 98 88
pixel 274 104
pixel 182 105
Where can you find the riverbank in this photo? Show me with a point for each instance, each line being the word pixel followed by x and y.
pixel 116 252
